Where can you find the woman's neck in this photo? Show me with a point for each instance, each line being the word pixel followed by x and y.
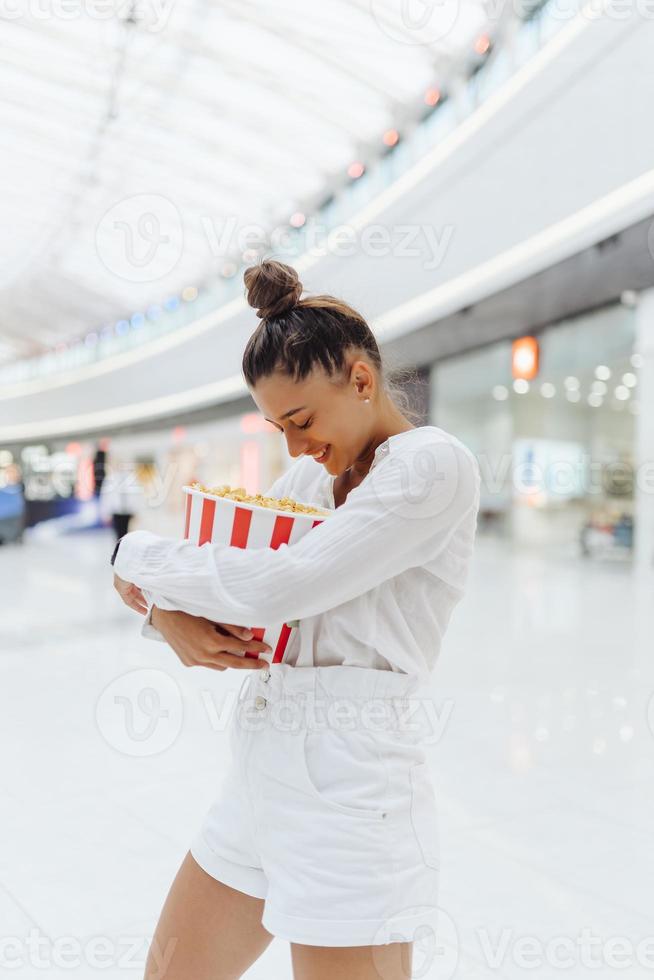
pixel 395 424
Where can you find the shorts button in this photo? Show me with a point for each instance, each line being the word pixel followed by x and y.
pixel 260 702
pixel 265 675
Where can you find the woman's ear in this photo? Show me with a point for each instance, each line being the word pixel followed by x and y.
pixel 361 377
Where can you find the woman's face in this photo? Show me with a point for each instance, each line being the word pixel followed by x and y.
pixel 316 413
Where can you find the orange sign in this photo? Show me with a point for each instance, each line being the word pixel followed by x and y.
pixel 524 358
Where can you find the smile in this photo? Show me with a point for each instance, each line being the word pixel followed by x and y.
pixel 322 455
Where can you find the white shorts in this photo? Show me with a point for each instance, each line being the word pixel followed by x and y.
pixel 327 810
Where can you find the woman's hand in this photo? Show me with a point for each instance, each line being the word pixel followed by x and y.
pixel 200 643
pixel 130 594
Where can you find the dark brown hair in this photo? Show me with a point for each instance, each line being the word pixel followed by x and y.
pixel 297 335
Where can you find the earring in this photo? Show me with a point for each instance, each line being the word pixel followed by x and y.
pixel 366 399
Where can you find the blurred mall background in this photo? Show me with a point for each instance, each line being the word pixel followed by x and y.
pixel 492 185
pixel 480 184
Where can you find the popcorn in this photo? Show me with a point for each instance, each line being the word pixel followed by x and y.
pixel 229 515
pixel 273 503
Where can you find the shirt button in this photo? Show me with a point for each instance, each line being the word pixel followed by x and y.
pixel 265 675
pixel 260 702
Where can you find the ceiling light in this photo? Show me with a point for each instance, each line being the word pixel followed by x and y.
pixel 521 386
pixel 356 170
pixel 482 44
pixel 595 400
pixel 603 372
pixel 571 383
pixel 500 393
pixel 547 390
pixel 629 379
pixel 622 393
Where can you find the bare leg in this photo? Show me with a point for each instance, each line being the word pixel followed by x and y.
pixel 388 962
pixel 206 930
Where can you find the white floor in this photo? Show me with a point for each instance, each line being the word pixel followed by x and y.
pixel 545 771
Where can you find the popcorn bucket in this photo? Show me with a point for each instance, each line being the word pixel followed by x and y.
pixel 223 520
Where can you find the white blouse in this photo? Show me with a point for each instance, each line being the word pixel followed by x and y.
pixel 374 585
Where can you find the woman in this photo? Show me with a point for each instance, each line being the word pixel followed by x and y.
pixel 324 833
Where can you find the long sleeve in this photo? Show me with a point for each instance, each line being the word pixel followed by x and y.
pixel 148 630
pixel 402 515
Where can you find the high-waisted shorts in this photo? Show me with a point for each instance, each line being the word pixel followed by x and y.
pixel 327 809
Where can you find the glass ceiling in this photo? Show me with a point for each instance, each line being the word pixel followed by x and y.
pixel 141 143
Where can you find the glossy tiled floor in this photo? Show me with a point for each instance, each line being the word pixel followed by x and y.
pixel 544 770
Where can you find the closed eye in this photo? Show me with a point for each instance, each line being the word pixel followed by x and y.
pixel 305 426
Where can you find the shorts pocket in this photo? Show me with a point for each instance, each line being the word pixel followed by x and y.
pixel 345 772
pixel 424 813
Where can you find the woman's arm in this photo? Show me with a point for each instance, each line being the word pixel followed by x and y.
pixel 149 629
pixel 147 602
pixel 403 514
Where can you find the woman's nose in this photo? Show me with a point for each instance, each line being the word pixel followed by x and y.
pixel 296 445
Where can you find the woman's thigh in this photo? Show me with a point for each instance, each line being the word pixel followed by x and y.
pixel 206 930
pixel 391 961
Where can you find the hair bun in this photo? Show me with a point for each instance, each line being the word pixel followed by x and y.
pixel 272 288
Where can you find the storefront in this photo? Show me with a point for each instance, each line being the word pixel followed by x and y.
pixel 557 451
pixel 243 451
pixel 77 481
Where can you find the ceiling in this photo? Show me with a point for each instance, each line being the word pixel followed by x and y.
pixel 137 148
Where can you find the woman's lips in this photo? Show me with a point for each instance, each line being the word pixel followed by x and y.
pixel 321 459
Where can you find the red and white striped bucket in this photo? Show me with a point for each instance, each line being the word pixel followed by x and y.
pixel 222 520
